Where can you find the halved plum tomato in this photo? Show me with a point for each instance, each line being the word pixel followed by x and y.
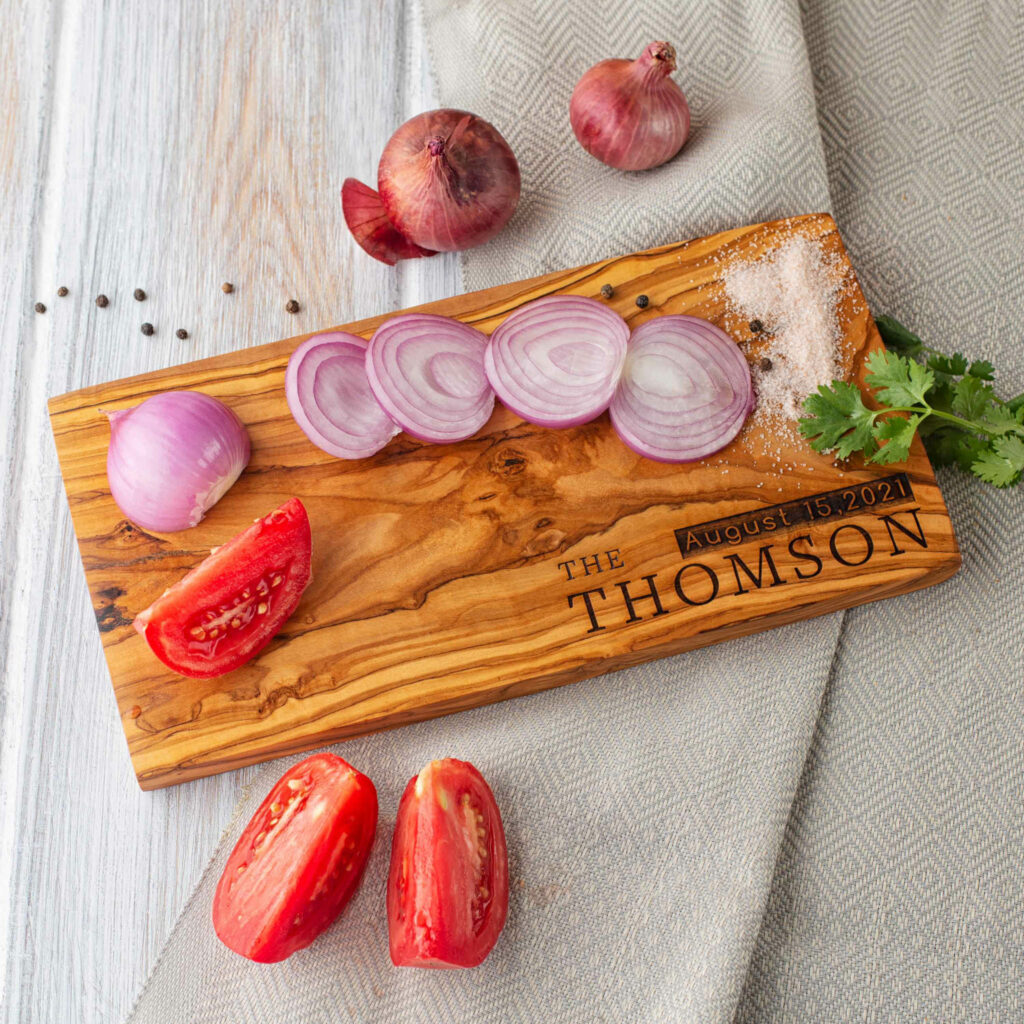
pixel 231 605
pixel 447 891
pixel 299 860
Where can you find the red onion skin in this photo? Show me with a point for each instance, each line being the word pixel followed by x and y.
pixel 448 180
pixel 631 114
pixel 368 221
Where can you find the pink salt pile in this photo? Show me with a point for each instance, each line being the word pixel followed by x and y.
pixel 792 290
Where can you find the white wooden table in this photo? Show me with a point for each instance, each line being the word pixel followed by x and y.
pixel 170 147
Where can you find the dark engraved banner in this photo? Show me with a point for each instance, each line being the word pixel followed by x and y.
pixel 844 501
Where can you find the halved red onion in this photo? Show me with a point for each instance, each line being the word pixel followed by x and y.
pixel 427 372
pixel 685 390
pixel 330 397
pixel 555 361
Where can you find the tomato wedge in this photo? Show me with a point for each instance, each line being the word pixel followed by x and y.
pixel 298 861
pixel 231 605
pixel 447 893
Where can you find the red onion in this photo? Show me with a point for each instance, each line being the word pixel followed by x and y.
pixel 330 397
pixel 173 457
pixel 448 180
pixel 629 113
pixel 685 390
pixel 555 361
pixel 368 221
pixel 428 373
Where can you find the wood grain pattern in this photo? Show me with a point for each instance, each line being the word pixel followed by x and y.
pixel 444 575
pixel 170 147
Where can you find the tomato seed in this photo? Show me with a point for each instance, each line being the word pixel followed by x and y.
pixel 241 868
pixel 275 808
pixel 294 784
pixel 276 581
pixel 235 623
pixel 198 632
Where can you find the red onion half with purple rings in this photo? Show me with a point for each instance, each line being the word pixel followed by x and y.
pixel 331 399
pixel 427 372
pixel 685 390
pixel 173 457
pixel 555 361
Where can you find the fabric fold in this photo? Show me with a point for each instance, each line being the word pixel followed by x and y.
pixel 644 809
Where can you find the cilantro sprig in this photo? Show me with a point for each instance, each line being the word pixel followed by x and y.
pixel 947 399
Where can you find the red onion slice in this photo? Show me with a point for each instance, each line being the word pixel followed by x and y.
pixel 427 372
pixel 330 397
pixel 555 361
pixel 685 390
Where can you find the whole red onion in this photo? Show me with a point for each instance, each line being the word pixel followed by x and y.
pixel 629 113
pixel 448 180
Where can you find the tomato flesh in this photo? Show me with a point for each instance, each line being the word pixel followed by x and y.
pixel 447 895
pixel 298 861
pixel 227 609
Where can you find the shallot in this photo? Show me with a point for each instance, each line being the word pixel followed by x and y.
pixel 631 114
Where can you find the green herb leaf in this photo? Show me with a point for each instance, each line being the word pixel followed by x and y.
pixel 897 337
pixel 954 365
pixel 900 382
pixel 971 398
pixel 1002 464
pixel 951 446
pixel 982 368
pixel 833 412
pixel 897 433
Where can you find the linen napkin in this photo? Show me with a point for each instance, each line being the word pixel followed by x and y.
pixel 644 809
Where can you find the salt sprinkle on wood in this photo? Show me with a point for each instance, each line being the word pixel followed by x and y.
pixel 793 292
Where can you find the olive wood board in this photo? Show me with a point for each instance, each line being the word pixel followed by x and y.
pixel 450 576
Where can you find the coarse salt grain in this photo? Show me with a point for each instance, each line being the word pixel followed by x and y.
pixel 793 291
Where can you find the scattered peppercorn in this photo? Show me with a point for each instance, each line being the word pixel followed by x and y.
pixel 147 329
pixel 756 327
pixel 642 301
pixel 227 287
pixel 607 291
pixel 40 308
pixel 181 333
pixel 102 301
pixel 62 291
pixel 766 364
pixel 140 295
pixel 292 306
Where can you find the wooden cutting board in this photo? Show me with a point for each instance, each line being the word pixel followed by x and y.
pixel 445 577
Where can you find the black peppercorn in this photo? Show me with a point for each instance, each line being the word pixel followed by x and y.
pixel 140 295
pixel 181 333
pixel 607 291
pixel 102 301
pixel 227 287
pixel 642 301
pixel 756 327
pixel 292 306
pixel 40 308
pixel 766 364
pixel 147 329
pixel 62 291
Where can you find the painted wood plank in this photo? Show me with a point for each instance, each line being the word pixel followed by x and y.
pixel 169 147
pixel 448 576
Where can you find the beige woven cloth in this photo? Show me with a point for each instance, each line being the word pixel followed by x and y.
pixel 649 811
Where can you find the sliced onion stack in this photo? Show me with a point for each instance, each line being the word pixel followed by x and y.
pixel 555 361
pixel 331 399
pixel 427 372
pixel 685 390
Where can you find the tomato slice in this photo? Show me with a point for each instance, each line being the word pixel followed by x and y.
pixel 231 605
pixel 298 861
pixel 447 893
